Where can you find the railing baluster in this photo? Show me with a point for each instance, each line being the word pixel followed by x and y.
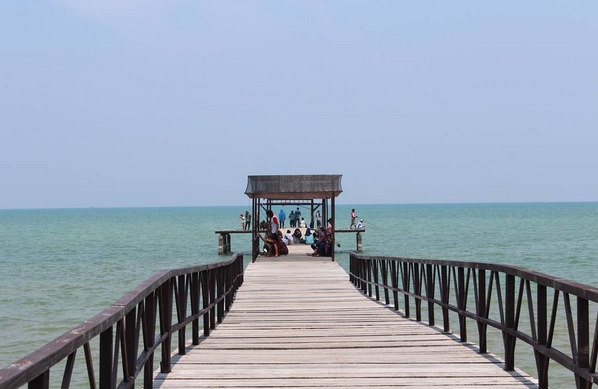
pixel 461 299
pixel 131 341
pixel 394 281
pixel 583 340
pixel 376 281
pixel 481 310
pixel 444 286
pixel 430 291
pixel 40 382
pixel 509 322
pixel 106 341
pixel 406 284
pixel 68 370
pixel 166 297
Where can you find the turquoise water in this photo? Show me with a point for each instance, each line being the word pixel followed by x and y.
pixel 60 267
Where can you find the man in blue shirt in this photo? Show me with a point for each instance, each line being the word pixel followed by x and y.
pixel 281 217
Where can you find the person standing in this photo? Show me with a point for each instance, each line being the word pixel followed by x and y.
pixel 273 238
pixel 247 220
pixel 273 223
pixel 282 217
pixel 319 219
pixel 329 227
pixel 353 217
pixel 292 219
pixel 242 217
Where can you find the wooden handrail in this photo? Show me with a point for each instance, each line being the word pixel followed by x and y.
pixel 492 295
pixel 128 333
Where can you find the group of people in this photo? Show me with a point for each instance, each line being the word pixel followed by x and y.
pixel 295 219
pixel 245 221
pixel 275 243
pixel 320 240
pixel 359 225
pixel 323 242
pixel 296 237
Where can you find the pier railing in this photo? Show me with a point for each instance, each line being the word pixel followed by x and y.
pixel 129 335
pixel 520 304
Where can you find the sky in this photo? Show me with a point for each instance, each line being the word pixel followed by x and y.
pixel 138 103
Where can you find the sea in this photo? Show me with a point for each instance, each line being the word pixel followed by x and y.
pixel 59 267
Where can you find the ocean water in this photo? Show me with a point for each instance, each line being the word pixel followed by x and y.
pixel 59 267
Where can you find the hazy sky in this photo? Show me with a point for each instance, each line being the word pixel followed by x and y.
pixel 112 103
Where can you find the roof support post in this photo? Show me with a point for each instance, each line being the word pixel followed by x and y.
pixel 332 203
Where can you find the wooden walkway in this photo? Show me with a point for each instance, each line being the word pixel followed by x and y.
pixel 297 322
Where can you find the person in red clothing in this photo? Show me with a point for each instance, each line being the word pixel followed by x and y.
pixel 273 220
pixel 273 231
pixel 353 217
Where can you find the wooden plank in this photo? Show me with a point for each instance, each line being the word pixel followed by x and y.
pixel 297 322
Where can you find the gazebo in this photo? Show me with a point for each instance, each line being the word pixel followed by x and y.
pixel 317 191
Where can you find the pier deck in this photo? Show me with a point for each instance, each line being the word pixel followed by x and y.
pixel 297 322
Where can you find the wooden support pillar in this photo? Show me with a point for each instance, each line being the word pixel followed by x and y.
pixel 358 239
pixel 224 245
pixel 221 248
pixel 227 243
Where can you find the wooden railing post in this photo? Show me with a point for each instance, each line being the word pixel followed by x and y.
pixel 583 340
pixel 509 340
pixel 149 333
pixel 394 281
pixel 195 292
pixel 444 297
pixel 375 273
pixel 481 311
pixel 181 309
pixel 417 291
pixel 220 276
pixel 131 340
pixel 406 283
pixel 384 271
pixel 42 381
pixel 461 303
pixel 166 323
pixel 106 345
pixel 205 298
pixel 542 334
pixel 430 293
pixel 212 299
pixel 369 276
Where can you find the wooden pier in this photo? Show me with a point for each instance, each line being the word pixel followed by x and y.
pixel 298 322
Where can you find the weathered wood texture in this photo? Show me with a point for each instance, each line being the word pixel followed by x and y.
pixel 297 322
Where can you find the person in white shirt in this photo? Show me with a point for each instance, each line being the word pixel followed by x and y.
pixel 360 225
pixel 288 238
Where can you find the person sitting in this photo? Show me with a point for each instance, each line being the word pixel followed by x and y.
pixel 275 245
pixel 288 238
pixel 302 223
pixel 263 225
pixel 281 246
pixel 360 225
pixel 309 237
pixel 297 236
pixel 323 248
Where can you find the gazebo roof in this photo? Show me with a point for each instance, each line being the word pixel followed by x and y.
pixel 295 187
